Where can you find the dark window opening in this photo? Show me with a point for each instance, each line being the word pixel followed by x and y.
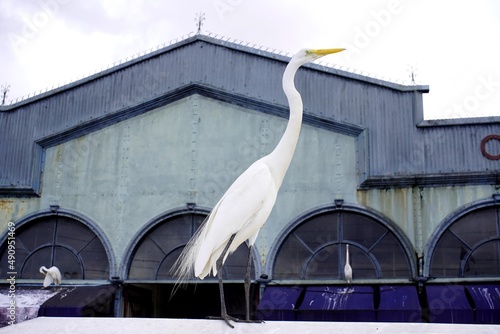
pixel 160 247
pixel 58 241
pixel 469 247
pixel 192 301
pixel 153 258
pixel 316 249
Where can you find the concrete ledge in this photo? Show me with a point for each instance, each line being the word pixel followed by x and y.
pixel 189 326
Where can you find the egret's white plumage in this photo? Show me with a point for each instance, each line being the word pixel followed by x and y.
pixel 347 267
pixel 52 275
pixel 246 205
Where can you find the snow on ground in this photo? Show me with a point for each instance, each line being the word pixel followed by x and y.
pixel 27 301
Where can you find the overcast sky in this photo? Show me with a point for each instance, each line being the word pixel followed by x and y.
pixel 453 46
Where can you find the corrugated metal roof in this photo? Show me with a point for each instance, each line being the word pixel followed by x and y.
pixel 399 148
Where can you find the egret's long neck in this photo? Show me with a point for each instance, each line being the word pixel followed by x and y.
pixel 282 155
pixel 347 254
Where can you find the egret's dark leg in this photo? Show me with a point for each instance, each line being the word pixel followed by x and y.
pixel 248 281
pixel 223 309
pixel 218 264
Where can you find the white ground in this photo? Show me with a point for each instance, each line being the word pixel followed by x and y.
pixel 180 326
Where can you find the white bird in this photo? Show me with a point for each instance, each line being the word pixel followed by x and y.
pixel 52 275
pixel 246 205
pixel 347 267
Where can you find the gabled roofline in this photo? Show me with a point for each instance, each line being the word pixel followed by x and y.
pixel 218 42
pixel 82 129
pixel 95 124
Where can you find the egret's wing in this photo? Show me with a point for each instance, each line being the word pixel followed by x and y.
pixel 348 272
pixel 244 199
pixel 56 275
pixel 232 213
pixel 242 210
pixel 47 281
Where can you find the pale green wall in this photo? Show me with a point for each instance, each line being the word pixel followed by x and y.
pixel 124 175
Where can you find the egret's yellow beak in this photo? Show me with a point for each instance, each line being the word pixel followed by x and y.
pixel 324 52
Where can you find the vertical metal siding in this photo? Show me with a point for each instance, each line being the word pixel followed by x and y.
pixel 397 146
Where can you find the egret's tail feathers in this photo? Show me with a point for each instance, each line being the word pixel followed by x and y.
pixel 183 267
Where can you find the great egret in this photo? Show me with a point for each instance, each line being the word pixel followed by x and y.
pixel 347 267
pixel 246 205
pixel 52 275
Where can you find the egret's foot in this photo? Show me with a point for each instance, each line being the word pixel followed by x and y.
pixel 226 319
pixel 249 321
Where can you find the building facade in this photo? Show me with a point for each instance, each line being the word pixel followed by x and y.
pixel 108 177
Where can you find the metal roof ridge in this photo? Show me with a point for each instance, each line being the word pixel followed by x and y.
pixel 212 39
pixel 321 66
pixel 461 121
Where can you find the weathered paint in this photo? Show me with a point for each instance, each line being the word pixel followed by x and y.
pixel 418 211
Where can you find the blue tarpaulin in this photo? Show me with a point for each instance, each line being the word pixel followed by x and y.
pixel 329 303
pixel 486 300
pixel 399 303
pixel 81 301
pixel 449 304
pixel 442 303
pixel 279 303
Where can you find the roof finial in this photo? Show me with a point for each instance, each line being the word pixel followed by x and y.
pixel 412 69
pixel 200 17
pixel 4 92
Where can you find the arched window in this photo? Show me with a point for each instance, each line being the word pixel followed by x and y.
pixel 315 247
pixel 159 247
pixel 467 244
pixel 61 241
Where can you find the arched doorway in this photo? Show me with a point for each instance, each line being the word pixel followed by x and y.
pixel 467 244
pixel 314 247
pixel 61 239
pixel 150 286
